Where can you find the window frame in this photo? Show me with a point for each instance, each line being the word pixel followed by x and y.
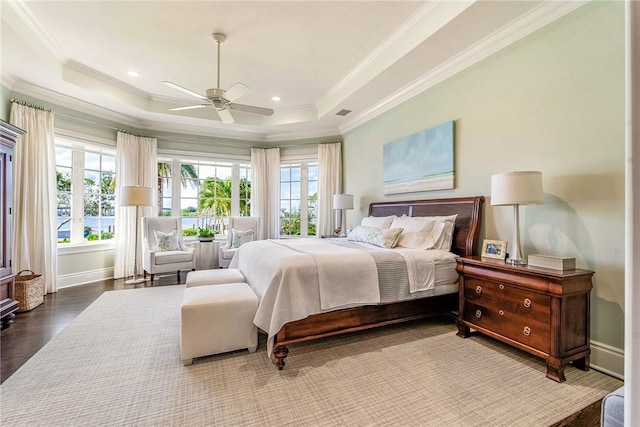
pixel 304 161
pixel 176 158
pixel 81 143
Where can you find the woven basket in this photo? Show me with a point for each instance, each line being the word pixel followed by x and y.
pixel 29 290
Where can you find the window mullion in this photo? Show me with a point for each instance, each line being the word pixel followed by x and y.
pixel 77 197
pixel 176 187
pixel 304 188
pixel 235 190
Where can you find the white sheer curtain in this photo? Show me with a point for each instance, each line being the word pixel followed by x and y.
pixel 35 244
pixel 136 164
pixel 265 190
pixel 329 183
pixel 632 262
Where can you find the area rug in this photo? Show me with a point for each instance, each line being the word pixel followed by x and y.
pixel 118 364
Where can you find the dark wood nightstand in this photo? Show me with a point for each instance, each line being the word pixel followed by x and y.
pixel 541 311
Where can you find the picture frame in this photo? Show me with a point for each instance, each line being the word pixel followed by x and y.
pixel 494 249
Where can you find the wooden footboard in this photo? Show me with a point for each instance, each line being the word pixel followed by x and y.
pixel 465 243
pixel 356 319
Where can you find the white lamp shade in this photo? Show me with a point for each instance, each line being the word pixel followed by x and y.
pixel 517 188
pixel 343 201
pixel 136 196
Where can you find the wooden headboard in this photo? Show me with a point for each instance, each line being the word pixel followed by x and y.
pixel 467 229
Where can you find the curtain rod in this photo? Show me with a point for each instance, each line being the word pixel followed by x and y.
pixel 26 104
pixel 136 134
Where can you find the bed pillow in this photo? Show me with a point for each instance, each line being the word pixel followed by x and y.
pixel 239 237
pixel 378 221
pixel 383 237
pixel 167 241
pixel 446 239
pixel 418 233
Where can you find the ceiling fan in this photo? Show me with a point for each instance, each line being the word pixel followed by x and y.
pixel 219 99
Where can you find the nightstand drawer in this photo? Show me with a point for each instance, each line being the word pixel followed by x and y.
pixel 527 331
pixel 522 303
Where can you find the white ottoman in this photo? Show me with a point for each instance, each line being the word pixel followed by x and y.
pixel 216 319
pixel 214 277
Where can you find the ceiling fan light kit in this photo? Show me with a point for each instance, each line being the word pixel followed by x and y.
pixel 219 99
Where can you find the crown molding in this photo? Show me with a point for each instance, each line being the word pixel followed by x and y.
pixel 306 134
pixel 427 20
pixel 530 22
pixel 21 9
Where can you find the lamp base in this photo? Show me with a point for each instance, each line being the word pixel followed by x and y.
pixel 134 281
pixel 514 261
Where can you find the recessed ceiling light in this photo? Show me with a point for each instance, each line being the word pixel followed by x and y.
pixel 275 98
pixel 133 73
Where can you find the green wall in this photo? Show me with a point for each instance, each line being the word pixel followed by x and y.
pixel 554 102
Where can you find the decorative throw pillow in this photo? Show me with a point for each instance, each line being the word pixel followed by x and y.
pixel 383 237
pixel 167 241
pixel 378 221
pixel 239 237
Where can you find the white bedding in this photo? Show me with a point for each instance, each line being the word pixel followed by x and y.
pixel 287 276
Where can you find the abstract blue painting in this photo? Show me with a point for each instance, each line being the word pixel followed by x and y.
pixel 419 162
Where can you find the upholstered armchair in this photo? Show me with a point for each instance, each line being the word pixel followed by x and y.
pixel 241 229
pixel 163 249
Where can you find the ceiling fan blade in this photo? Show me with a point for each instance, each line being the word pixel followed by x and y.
pixel 236 91
pixel 225 115
pixel 252 109
pixel 187 91
pixel 189 107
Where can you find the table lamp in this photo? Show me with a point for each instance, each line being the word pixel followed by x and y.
pixel 341 202
pixel 516 188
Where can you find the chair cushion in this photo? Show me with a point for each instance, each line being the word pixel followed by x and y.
pixel 167 241
pixel 172 257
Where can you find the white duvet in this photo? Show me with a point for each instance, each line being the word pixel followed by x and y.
pixel 298 277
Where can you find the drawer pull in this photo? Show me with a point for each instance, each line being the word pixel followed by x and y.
pixel 478 289
pixel 501 313
pixel 527 302
pixel 526 331
pixel 478 314
pixel 501 286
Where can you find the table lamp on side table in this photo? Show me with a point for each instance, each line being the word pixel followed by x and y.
pixel 517 188
pixel 136 196
pixel 341 202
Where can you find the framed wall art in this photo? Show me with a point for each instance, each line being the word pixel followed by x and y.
pixel 419 162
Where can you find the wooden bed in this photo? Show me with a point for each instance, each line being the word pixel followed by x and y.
pixel 467 229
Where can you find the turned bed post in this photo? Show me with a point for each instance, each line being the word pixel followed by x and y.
pixel 280 353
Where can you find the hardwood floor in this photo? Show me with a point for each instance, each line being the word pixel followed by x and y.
pixel 33 329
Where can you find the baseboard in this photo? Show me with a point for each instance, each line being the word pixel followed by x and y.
pixel 75 279
pixel 607 359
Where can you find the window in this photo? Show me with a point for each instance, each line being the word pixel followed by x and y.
pixel 298 199
pixel 86 182
pixel 204 193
